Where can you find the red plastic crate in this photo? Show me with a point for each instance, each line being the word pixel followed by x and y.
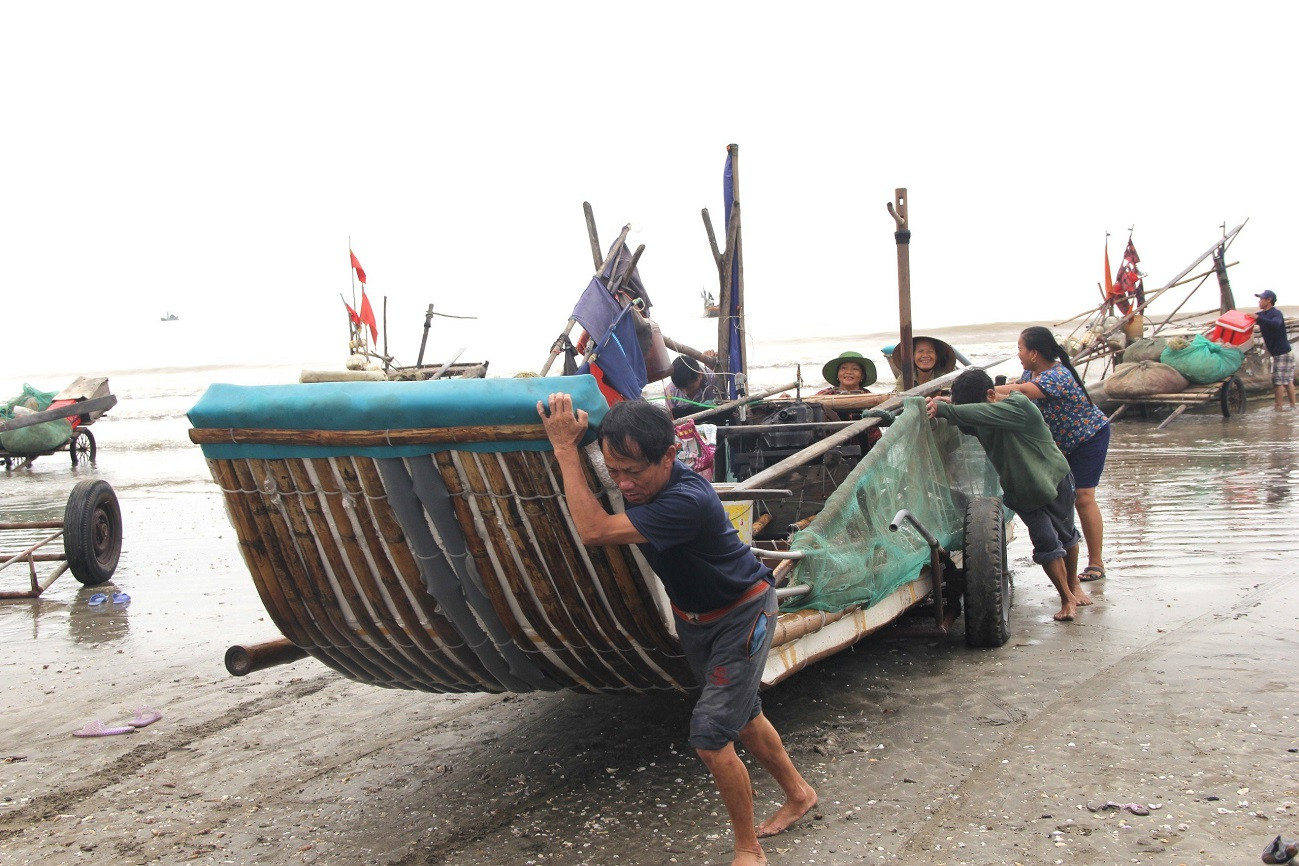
pixel 1233 328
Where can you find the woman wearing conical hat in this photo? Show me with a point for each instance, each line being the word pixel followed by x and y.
pixel 930 358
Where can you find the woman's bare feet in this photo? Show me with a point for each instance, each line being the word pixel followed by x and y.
pixel 787 814
pixel 745 857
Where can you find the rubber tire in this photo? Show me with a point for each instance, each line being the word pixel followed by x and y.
pixel 88 450
pixel 1232 398
pixel 988 590
pixel 92 532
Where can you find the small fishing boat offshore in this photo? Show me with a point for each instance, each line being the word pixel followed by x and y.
pixel 415 534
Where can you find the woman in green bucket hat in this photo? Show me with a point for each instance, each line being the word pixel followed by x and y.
pixel 849 373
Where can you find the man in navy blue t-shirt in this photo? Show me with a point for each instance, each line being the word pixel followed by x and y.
pixel 722 596
pixel 1271 324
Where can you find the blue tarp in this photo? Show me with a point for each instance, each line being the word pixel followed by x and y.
pixel 384 406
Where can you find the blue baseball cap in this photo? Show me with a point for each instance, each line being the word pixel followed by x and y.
pixel 1267 293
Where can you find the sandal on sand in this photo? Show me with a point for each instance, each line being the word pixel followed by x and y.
pixel 1092 572
pixel 1280 851
pixel 99 729
pixel 144 717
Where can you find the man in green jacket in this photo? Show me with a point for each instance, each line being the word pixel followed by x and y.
pixel 1035 479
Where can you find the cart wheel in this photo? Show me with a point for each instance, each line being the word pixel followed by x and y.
pixel 82 447
pixel 92 531
pixel 988 590
pixel 1232 397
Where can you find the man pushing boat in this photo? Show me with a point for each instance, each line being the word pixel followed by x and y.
pixel 722 596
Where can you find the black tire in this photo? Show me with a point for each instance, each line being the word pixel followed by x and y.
pixel 1231 396
pixel 92 532
pixel 988 591
pixel 82 447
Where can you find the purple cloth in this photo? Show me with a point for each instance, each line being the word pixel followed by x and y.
pixel 616 349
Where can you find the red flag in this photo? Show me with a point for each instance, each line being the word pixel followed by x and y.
pixel 351 314
pixel 1129 278
pixel 360 271
pixel 367 313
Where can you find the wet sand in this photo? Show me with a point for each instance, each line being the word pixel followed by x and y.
pixel 1174 691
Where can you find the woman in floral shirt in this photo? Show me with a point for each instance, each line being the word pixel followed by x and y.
pixel 1080 428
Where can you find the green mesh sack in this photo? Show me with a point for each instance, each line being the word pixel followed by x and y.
pixel 38 438
pixel 30 398
pixel 850 557
pixel 1203 361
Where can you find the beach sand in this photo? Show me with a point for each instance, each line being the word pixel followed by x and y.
pixel 1174 691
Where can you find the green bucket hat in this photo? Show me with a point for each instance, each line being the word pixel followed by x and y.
pixel 831 370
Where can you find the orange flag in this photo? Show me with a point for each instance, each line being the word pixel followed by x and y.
pixel 1109 280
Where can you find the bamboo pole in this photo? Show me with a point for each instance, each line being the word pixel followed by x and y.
pixel 591 233
pixel 733 404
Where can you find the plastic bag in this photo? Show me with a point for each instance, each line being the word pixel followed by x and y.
pixel 695 450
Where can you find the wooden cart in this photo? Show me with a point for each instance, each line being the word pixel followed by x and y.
pixel 1228 392
pixel 82 403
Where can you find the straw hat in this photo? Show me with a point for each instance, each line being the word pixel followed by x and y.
pixel 946 356
pixel 831 370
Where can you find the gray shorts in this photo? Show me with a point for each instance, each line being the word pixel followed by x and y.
pixel 727 657
pixel 1283 369
pixel 1051 528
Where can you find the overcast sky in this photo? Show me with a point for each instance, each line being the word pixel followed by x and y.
pixel 214 159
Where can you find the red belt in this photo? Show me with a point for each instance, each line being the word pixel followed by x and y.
pixel 753 592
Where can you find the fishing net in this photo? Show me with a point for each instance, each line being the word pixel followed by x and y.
pixel 850 556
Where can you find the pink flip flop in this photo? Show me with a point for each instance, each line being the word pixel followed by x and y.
pixel 144 717
pixel 99 729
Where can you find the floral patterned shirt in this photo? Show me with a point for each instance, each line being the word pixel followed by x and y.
pixel 1073 418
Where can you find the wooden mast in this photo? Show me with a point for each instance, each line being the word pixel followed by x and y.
pixel 902 236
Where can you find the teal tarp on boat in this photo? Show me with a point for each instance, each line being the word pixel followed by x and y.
pixel 382 406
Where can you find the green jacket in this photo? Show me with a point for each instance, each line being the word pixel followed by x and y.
pixel 1019 446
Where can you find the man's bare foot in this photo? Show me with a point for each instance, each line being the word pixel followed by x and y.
pixel 1080 597
pixel 744 857
pixel 1066 612
pixel 787 814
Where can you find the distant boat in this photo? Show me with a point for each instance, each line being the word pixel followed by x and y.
pixel 170 317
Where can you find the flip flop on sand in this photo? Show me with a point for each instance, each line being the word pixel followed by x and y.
pixel 144 717
pixel 1280 851
pixel 1092 572
pixel 99 729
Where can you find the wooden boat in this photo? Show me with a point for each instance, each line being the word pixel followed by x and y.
pixel 433 550
pixel 415 534
pixel 1098 343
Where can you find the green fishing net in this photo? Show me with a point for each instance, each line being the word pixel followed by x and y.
pixel 850 555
